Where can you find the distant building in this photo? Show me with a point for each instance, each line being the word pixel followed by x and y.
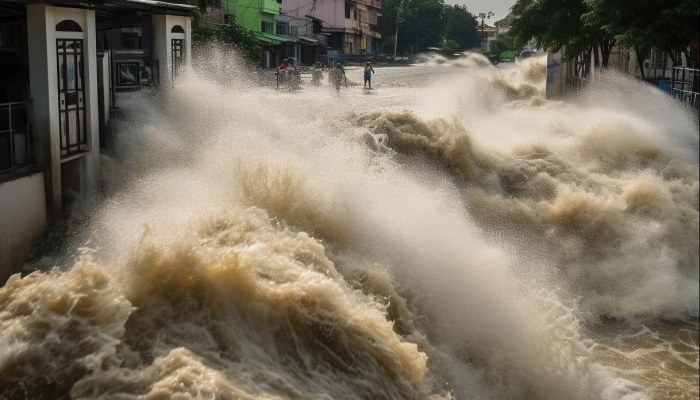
pixel 348 27
pixel 260 17
pixel 60 63
pixel 489 34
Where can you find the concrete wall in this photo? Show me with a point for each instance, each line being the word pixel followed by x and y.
pixel 162 50
pixel 43 78
pixel 103 84
pixel 556 76
pixel 22 220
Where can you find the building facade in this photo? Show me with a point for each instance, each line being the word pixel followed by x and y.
pixel 54 94
pixel 488 34
pixel 260 17
pixel 348 27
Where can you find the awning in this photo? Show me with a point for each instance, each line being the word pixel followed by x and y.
pixel 304 39
pixel 271 39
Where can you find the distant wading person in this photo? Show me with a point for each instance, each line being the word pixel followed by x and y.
pixel 368 75
pixel 337 76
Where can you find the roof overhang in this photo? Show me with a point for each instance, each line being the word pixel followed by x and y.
pixel 307 40
pixel 271 39
pixel 104 9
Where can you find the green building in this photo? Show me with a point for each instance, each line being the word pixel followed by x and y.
pixel 258 16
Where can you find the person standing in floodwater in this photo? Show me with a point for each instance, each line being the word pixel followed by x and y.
pixel 368 75
pixel 337 76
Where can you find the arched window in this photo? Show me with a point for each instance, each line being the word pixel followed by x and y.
pixel 177 29
pixel 68 25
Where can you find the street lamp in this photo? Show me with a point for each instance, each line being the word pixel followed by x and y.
pixel 483 16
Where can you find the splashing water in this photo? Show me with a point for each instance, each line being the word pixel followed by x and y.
pixel 451 234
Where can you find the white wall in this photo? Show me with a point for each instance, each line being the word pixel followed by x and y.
pixel 162 25
pixel 41 23
pixel 43 78
pixel 103 76
pixel 22 220
pixel 556 75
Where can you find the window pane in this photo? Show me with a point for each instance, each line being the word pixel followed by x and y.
pixel 5 154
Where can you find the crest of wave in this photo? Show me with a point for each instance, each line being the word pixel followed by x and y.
pixel 233 307
pixel 432 59
pixel 601 196
pixel 524 85
pixel 374 218
pixel 281 257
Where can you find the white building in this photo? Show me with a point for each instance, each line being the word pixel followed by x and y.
pixel 56 77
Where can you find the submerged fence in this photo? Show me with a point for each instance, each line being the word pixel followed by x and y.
pixel 684 86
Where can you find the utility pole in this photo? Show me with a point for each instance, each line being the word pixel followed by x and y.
pixel 483 16
pixel 399 20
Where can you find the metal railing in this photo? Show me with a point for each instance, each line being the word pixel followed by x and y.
pixel 574 84
pixel 685 86
pixel 15 136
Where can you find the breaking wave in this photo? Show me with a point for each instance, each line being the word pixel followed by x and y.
pixel 455 236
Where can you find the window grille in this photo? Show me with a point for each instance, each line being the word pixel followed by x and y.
pixel 178 57
pixel 15 139
pixel 266 27
pixel 71 96
pixel 283 28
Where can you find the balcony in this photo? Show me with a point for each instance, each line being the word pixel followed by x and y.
pixel 270 7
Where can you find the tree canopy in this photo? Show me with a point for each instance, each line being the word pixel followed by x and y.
pixel 426 23
pixel 585 26
pixel 461 26
pixel 668 25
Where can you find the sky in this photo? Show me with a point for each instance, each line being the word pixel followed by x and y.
pixel 499 7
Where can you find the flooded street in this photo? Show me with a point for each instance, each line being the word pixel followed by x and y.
pixel 449 234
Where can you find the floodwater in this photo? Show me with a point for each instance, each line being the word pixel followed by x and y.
pixel 451 234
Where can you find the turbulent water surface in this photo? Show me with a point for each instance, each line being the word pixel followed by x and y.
pixel 451 234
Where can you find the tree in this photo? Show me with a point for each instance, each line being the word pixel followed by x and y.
pixel 421 25
pixel 667 25
pixel 503 44
pixel 557 25
pixel 424 17
pixel 449 47
pixel 461 26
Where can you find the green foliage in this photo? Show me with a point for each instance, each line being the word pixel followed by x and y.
pixel 503 44
pixel 422 26
pixel 553 23
pixel 668 25
pixel 449 47
pixel 505 40
pixel 244 40
pixel 461 26
pixel 582 26
pixel 426 23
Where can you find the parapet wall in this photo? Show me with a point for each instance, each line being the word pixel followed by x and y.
pixel 22 220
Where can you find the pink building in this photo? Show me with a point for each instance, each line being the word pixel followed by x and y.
pixel 347 27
